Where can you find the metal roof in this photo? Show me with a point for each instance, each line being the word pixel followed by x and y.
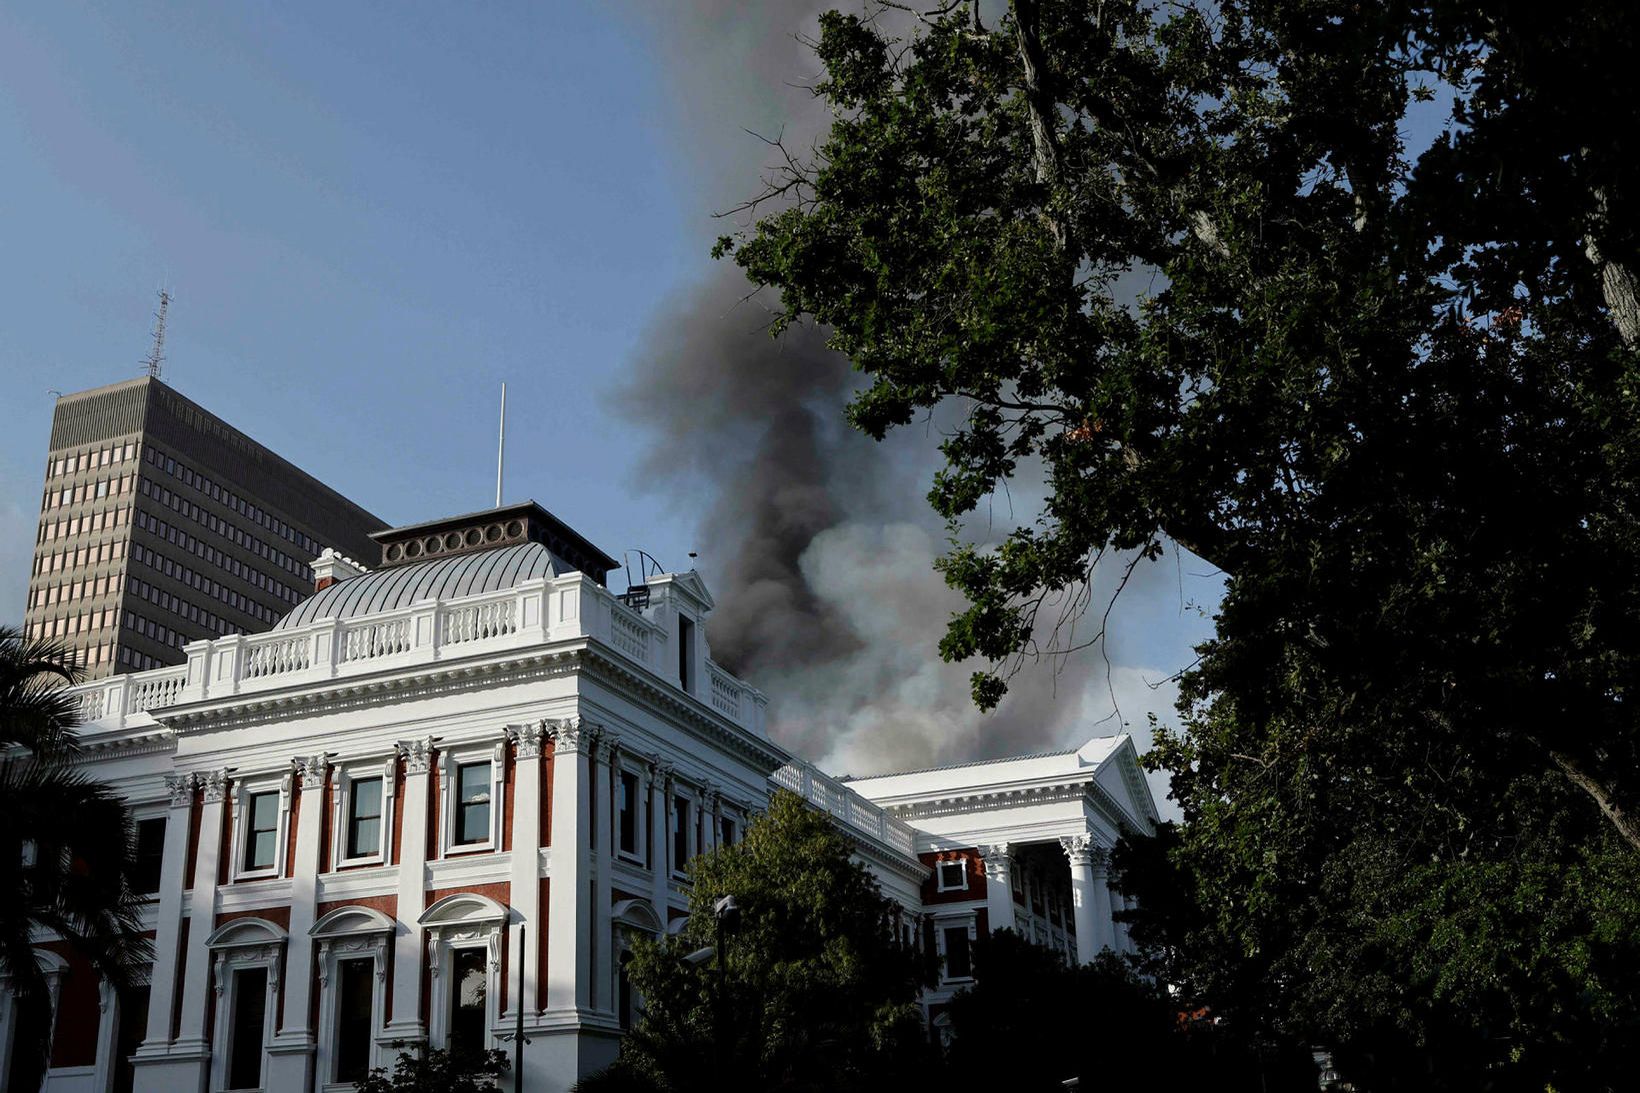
pixel 439 579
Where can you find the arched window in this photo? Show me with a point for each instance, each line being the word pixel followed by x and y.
pixel 464 959
pixel 632 918
pixel 246 957
pixel 353 956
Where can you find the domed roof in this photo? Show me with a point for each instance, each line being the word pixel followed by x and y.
pixel 439 579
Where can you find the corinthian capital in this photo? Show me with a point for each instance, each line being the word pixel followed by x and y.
pixel 310 771
pixel 528 738
pixel 569 736
pixel 998 858
pixel 1082 850
pixel 417 755
pixel 214 783
pixel 181 789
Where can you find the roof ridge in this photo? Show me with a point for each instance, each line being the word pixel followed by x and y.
pixel 958 766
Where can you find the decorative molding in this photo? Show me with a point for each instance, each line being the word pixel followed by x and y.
pixel 214 783
pixel 310 770
pixel 529 738
pixel 569 736
pixel 417 755
pixel 1080 849
pixel 997 859
pixel 181 789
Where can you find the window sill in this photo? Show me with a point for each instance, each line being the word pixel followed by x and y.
pixel 469 848
pixel 257 874
pixel 367 859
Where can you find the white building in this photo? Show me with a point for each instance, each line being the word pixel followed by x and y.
pixel 474 766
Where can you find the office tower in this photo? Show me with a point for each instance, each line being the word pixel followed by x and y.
pixel 161 524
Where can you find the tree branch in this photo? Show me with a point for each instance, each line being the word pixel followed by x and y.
pixel 1582 779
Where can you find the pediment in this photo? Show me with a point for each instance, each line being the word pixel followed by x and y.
pixel 245 931
pixel 352 921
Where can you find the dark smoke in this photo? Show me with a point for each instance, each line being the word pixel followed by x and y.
pixel 818 544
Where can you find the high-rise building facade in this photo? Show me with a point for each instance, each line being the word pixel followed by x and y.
pixel 161 524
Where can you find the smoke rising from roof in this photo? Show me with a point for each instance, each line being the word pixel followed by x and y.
pixel 819 542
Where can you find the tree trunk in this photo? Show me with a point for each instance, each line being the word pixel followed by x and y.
pixel 1618 816
pixel 1618 283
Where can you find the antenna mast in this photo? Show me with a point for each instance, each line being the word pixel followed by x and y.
pixel 501 445
pixel 156 358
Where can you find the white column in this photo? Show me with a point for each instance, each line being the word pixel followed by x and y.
pixel 1118 930
pixel 412 893
pixel 526 863
pixel 660 841
pixel 569 960
pixel 603 849
pixel 162 982
pixel 999 890
pixel 202 913
pixel 290 1054
pixel 1090 904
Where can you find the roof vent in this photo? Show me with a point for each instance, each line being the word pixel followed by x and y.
pixel 488 530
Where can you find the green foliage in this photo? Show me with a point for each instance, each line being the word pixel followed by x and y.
pixel 438 1072
pixel 1025 1026
pixel 1185 262
pixel 815 993
pixel 66 847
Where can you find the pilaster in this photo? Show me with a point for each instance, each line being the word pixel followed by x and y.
pixel 406 1023
pixel 526 861
pixel 605 750
pixel 569 958
pixel 1090 899
pixel 202 912
pixel 168 919
pixel 290 1062
pixel 999 891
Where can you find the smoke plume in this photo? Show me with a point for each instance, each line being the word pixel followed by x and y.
pixel 819 545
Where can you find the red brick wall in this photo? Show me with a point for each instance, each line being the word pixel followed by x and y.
pixel 976 877
pixel 396 855
pixel 546 794
pixel 509 776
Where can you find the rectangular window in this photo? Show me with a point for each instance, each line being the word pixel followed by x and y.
pixel 149 856
pixel 680 834
pixel 728 831
pixel 629 812
pixel 472 803
pixel 364 818
pixel 953 875
pixel 261 831
pixel 355 1021
pixel 686 650
pixel 468 983
pixel 250 1007
pixel 956 953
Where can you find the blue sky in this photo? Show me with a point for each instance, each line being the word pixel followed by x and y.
pixel 371 214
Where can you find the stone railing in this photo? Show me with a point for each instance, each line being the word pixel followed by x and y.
pixel 846 806
pixel 535 613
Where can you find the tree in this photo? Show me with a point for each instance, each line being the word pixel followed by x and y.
pixel 815 994
pixel 1027 998
pixel 1182 257
pixel 438 1071
pixel 66 847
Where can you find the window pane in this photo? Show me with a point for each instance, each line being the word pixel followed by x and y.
pixel 250 1000
pixel 468 983
pixel 149 856
pixel 364 819
pixel 473 797
pixel 629 812
pixel 355 1021
pixel 956 953
pixel 261 836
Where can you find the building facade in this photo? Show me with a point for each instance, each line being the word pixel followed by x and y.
pixel 160 524
pixel 455 786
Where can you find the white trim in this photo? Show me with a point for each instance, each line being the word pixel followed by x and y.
pixel 449 761
pixel 939 875
pixel 343 775
pixel 465 920
pixel 240 945
pixel 943 923
pixel 349 933
pixel 244 788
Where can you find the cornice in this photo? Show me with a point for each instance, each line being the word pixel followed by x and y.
pixel 468 675
pixel 148 740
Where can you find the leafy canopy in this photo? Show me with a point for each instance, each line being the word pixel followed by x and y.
pixel 1182 258
pixel 815 994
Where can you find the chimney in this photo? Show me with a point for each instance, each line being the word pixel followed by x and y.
pixel 330 567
